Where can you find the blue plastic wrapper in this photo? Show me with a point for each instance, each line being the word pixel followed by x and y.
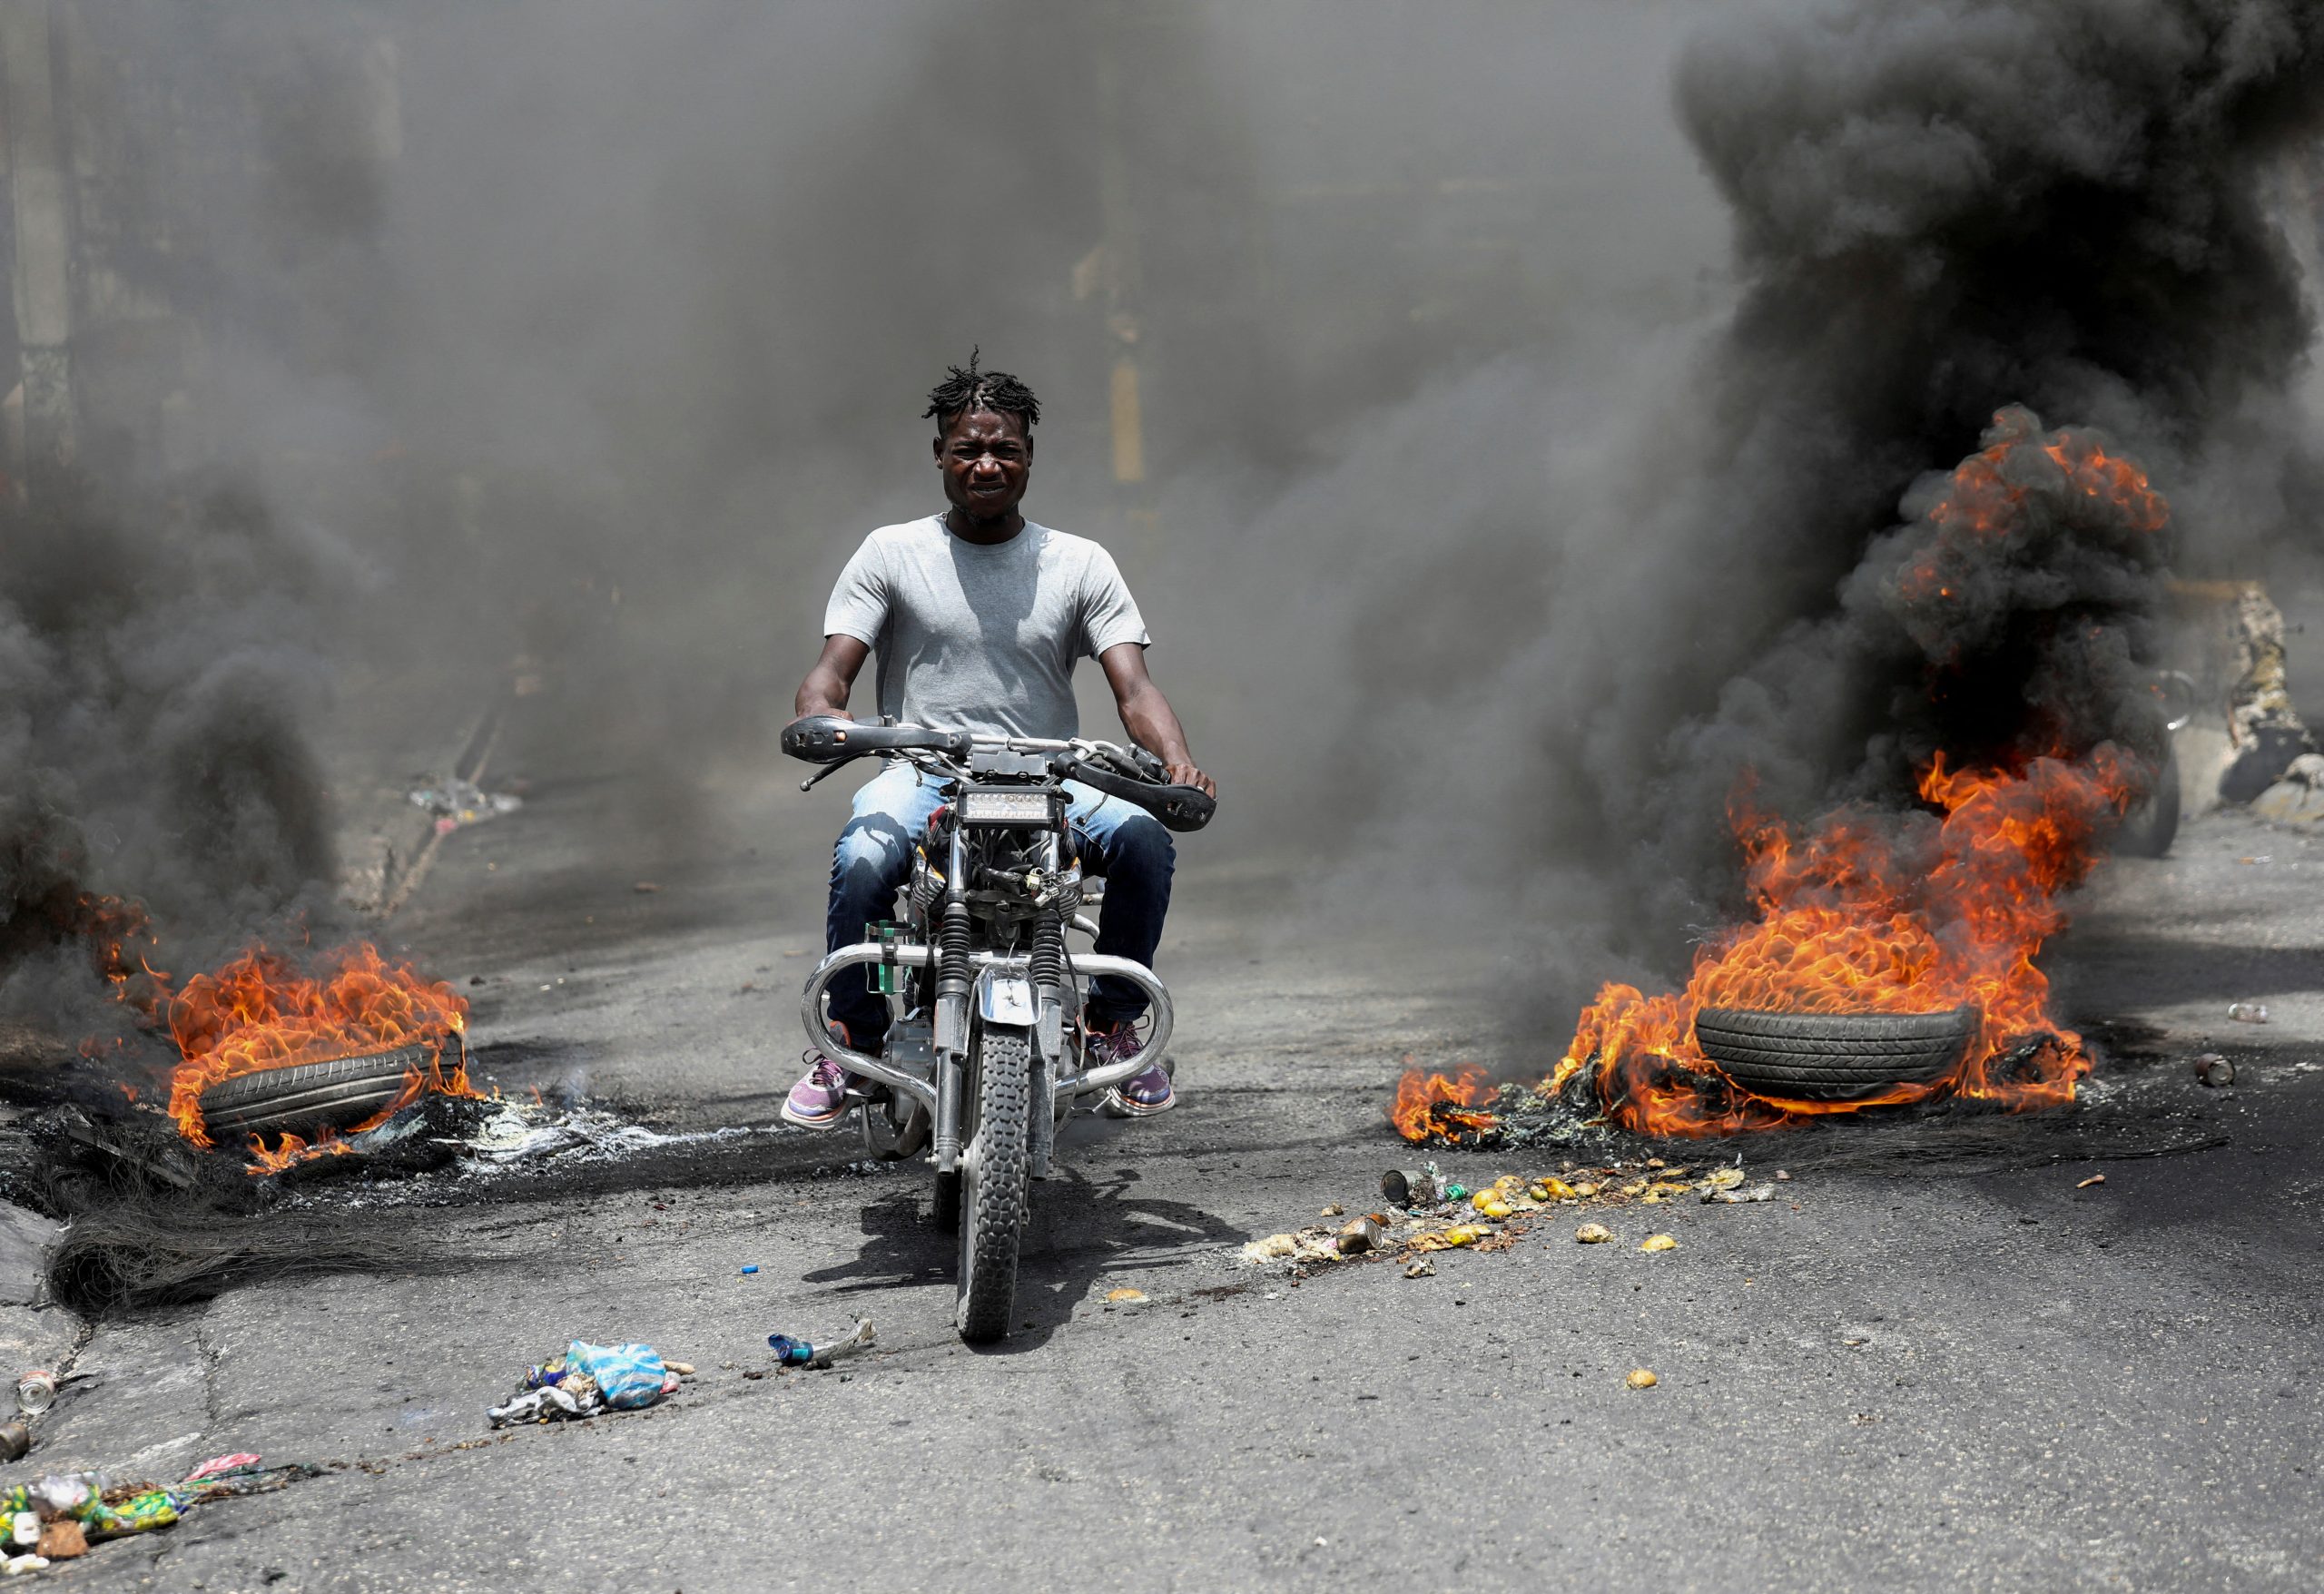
pixel 627 1376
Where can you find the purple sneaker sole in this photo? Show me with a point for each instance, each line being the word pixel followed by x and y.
pixel 1121 1103
pixel 820 1099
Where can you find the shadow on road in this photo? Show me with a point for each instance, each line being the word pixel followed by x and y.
pixel 1082 1229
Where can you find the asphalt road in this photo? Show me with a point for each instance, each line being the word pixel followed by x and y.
pixel 1937 1362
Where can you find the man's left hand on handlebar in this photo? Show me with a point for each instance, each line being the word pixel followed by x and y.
pixel 1182 774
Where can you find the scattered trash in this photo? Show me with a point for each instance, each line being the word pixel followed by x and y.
pixel 2093 1179
pixel 1334 1210
pixel 1658 1242
pixel 219 1466
pixel 1594 1234
pixel 749 1268
pixel 1425 1267
pixel 15 1440
pixel 1723 1179
pixel 1491 1204
pixel 646 888
pixel 1782 1177
pixel 1641 1378
pixel 587 1380
pixel 59 1517
pixel 2248 1012
pixel 2214 1070
pixel 792 1352
pixel 16 1566
pixel 459 803
pixel 1270 1248
pixel 1125 1298
pixel 35 1391
pixel 1737 1198
pixel 1362 1233
pixel 1550 1190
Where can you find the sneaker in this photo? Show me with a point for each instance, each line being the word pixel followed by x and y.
pixel 1143 1094
pixel 820 1099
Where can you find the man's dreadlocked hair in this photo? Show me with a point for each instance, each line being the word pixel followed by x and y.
pixel 963 391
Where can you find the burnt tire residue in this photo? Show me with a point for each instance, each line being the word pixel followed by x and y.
pixel 1833 1056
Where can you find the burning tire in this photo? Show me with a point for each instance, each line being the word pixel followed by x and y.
pixel 1833 1056
pixel 2148 830
pixel 303 1098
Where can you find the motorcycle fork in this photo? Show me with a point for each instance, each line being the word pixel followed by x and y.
pixel 1045 968
pixel 953 980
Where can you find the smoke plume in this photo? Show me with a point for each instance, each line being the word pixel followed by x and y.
pixel 1938 211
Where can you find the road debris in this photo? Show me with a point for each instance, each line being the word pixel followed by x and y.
pixel 1334 1210
pixel 1658 1242
pixel 2248 1012
pixel 587 1380
pixel 1492 1215
pixel 749 1268
pixel 1641 1378
pixel 456 804
pixel 35 1391
pixel 2214 1070
pixel 1423 1267
pixel 797 1352
pixel 1125 1297
pixel 60 1516
pixel 534 1133
pixel 15 1441
pixel 2093 1179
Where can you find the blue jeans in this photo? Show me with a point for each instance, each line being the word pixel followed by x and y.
pixel 872 863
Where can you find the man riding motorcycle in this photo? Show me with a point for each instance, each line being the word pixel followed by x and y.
pixel 979 616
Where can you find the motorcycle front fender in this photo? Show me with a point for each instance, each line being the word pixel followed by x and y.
pixel 1004 998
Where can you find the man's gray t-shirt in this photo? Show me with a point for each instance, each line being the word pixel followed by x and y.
pixel 983 638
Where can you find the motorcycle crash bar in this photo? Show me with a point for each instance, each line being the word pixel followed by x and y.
pixel 909 956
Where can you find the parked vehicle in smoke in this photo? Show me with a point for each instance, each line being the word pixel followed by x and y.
pixel 984 1058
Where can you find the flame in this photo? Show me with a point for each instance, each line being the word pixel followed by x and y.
pixel 294 1150
pixel 260 1012
pixel 1430 1105
pixel 1873 912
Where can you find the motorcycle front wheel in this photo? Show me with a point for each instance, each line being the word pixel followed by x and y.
pixel 996 1167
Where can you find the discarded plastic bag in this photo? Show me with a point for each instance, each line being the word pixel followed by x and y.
pixel 627 1376
pixel 585 1380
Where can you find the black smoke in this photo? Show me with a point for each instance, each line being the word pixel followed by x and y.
pixel 1940 210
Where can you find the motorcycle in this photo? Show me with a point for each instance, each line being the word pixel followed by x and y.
pixel 985 1056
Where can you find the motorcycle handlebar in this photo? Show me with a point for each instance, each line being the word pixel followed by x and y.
pixel 1179 808
pixel 828 739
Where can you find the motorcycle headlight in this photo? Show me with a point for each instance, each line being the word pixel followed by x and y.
pixel 1003 807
